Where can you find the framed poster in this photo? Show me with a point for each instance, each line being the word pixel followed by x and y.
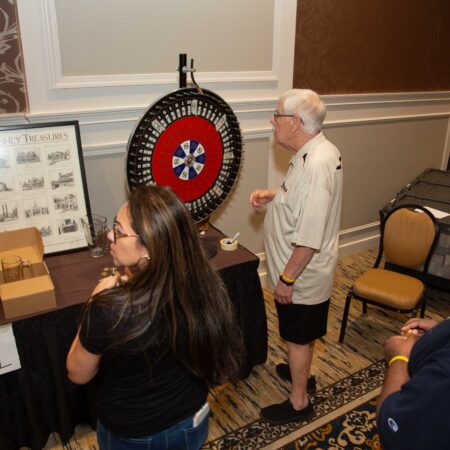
pixel 43 183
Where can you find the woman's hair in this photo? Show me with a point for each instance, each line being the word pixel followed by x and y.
pixel 308 105
pixel 178 300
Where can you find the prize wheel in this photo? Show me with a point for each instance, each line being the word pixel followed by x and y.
pixel 189 140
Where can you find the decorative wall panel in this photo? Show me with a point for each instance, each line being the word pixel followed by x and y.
pixel 363 46
pixel 13 97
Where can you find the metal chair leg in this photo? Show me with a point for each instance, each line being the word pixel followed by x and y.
pixel 422 308
pixel 345 316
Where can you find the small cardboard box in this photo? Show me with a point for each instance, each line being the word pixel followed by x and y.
pixel 29 295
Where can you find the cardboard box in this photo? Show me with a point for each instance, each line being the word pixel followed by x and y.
pixel 29 295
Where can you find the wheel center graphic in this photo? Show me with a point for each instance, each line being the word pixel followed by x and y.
pixel 188 160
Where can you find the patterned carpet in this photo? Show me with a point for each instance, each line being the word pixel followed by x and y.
pixel 355 429
pixel 327 402
pixel 348 374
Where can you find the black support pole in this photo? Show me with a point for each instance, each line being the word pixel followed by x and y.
pixel 182 64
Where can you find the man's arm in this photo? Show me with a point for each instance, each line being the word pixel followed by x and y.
pixel 299 259
pixel 397 374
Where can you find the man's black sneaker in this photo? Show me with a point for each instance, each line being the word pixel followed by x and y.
pixel 285 374
pixel 280 413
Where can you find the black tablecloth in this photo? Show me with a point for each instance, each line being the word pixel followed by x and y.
pixel 39 398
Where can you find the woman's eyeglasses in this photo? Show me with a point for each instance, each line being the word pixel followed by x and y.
pixel 118 234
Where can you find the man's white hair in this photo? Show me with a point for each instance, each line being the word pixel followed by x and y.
pixel 306 104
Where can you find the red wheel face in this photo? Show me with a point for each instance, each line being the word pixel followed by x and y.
pixel 190 141
pixel 188 157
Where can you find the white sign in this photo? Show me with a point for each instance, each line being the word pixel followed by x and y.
pixel 9 357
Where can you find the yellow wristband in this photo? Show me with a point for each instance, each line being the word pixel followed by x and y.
pixel 398 358
pixel 286 279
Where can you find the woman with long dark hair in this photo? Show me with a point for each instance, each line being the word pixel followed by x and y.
pixel 156 341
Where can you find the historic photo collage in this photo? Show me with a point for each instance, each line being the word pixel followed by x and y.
pixel 41 185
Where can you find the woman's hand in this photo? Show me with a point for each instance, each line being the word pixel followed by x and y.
pixel 107 283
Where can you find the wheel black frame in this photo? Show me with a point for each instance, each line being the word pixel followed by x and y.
pixel 178 105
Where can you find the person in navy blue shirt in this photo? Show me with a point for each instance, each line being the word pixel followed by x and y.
pixel 414 404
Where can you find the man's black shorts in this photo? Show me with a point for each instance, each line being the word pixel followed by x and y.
pixel 301 324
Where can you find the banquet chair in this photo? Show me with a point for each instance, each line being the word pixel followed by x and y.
pixel 408 237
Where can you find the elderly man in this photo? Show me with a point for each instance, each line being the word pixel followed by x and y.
pixel 301 240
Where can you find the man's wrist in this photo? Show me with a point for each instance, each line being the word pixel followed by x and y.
pixel 398 358
pixel 286 280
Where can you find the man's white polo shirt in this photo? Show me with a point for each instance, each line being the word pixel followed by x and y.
pixel 306 211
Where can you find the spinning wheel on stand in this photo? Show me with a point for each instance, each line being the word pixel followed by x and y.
pixel 189 140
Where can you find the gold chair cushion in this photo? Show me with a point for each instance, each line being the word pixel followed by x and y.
pixel 389 288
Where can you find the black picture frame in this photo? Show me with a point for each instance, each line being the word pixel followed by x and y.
pixel 43 183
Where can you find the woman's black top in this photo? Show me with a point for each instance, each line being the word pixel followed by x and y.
pixel 139 392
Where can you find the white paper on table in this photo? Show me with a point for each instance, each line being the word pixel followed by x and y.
pixel 9 357
pixel 436 212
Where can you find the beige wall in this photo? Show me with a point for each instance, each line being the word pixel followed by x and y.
pixel 381 158
pixel 236 214
pixel 106 181
pixel 146 36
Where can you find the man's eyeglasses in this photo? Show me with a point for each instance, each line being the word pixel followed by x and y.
pixel 118 234
pixel 276 114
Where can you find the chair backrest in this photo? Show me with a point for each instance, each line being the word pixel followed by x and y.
pixel 409 235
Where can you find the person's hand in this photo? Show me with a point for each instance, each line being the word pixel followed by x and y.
pixel 107 283
pixel 260 197
pixel 283 294
pixel 399 345
pixel 417 326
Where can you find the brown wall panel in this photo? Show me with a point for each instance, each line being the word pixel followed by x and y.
pixel 13 97
pixel 362 46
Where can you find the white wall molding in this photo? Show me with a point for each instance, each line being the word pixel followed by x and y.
pixel 59 81
pixel 357 239
pixel 263 107
pixel 259 108
pixel 112 148
pixel 103 130
pixel 119 147
pixel 160 79
pixel 384 98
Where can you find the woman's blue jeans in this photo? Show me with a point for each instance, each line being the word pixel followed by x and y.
pixel 181 436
